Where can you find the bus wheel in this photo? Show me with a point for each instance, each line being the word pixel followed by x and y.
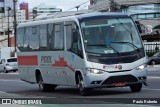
pixel 136 87
pixel 41 84
pixel 5 70
pixel 82 89
pixel 45 87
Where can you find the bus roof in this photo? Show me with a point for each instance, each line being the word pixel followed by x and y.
pixel 95 15
pixel 80 17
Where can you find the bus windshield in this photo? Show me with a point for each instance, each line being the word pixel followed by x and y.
pixel 107 36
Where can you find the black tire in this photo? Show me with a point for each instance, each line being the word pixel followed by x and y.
pixel 45 87
pixel 153 62
pixel 14 70
pixel 5 71
pixel 136 87
pixel 82 90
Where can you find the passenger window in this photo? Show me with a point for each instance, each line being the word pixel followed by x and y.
pixel 34 38
pixel 68 29
pixel 20 35
pixel 28 33
pixel 43 37
pixel 50 31
pixel 59 37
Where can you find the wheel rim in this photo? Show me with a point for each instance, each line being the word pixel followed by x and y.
pixel 5 71
pixel 153 62
pixel 81 84
pixel 41 85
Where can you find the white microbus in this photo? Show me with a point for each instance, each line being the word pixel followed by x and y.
pixel 90 50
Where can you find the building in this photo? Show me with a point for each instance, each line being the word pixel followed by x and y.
pixel 21 16
pixel 30 14
pixel 145 11
pixel 5 4
pixel 24 6
pixel 4 16
pixel 45 9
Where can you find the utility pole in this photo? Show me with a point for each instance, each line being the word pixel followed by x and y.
pixel 15 22
pixel 8 9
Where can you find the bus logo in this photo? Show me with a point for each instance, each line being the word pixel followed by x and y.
pixel 119 67
pixel 112 67
pixel 46 59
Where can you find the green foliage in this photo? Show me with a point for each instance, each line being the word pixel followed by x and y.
pixel 157 27
pixel 12 54
pixel 150 53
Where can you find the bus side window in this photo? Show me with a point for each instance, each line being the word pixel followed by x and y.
pixel 28 33
pixel 20 36
pixel 50 34
pixel 59 37
pixel 76 43
pixel 43 37
pixel 68 32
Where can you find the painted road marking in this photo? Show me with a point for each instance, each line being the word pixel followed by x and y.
pixel 153 77
pixel 151 89
pixel 10 73
pixel 11 80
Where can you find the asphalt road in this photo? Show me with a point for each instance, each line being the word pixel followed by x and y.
pixel 10 84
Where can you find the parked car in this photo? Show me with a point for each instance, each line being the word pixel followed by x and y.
pixel 155 59
pixel 9 64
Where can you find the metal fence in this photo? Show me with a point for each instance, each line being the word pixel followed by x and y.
pixel 152 47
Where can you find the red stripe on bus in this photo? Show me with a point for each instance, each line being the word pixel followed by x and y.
pixel 28 60
pixel 62 63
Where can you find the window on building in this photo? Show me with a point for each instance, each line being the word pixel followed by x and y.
pixel 141 16
pixel 149 15
pixel 158 15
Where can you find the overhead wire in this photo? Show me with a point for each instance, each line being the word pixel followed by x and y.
pixel 77 6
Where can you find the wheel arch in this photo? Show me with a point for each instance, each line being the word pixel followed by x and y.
pixel 78 72
pixel 37 73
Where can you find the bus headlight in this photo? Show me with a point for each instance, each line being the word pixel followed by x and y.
pixel 141 67
pixel 95 71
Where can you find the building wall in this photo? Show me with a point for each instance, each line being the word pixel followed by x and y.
pixel 21 16
pixel 24 6
pixel 45 9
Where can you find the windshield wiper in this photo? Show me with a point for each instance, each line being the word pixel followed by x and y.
pixel 126 30
pixel 131 44
pixel 108 46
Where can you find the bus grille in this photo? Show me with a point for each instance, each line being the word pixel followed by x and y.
pixel 117 79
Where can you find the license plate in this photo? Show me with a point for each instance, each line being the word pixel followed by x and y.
pixel 119 84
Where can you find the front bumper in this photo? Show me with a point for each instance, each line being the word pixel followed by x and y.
pixel 110 79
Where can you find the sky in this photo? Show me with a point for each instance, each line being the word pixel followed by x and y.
pixel 63 4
